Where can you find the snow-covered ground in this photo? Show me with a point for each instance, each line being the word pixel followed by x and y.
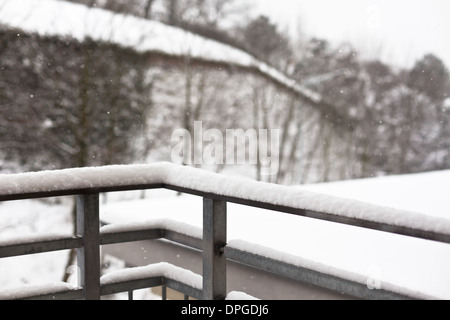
pixel 359 254
pixel 24 218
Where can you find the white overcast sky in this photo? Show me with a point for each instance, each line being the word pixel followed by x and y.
pixel 396 31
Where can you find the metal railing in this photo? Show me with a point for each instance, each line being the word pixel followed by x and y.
pixel 213 244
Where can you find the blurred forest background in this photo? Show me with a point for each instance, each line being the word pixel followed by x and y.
pixel 66 103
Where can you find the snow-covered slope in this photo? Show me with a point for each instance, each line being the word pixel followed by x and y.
pixel 64 19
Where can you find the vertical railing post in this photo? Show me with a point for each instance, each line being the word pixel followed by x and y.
pixel 214 240
pixel 88 256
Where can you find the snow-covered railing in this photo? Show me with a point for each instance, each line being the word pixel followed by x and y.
pixel 217 190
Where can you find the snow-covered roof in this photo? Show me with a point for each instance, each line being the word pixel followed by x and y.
pixel 64 19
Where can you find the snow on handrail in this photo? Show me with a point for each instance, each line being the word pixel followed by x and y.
pixel 52 290
pixel 233 189
pixel 162 269
pixel 163 224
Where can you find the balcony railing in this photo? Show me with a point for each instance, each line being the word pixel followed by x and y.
pixel 216 190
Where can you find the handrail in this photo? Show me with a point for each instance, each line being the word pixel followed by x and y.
pixel 217 190
pixel 225 188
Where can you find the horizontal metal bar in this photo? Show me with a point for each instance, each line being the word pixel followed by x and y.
pixel 26 248
pixel 131 285
pixel 426 235
pixel 184 288
pixel 42 292
pixel 130 236
pixel 421 234
pixel 73 192
pixel 186 240
pixel 316 278
pixel 76 294
pixel 136 284
pixel 151 234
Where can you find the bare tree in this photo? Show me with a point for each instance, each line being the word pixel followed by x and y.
pixel 148 9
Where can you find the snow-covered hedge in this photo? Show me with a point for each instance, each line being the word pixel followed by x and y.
pixel 70 20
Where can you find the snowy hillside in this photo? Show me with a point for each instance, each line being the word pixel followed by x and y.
pixel 399 262
pixel 64 19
